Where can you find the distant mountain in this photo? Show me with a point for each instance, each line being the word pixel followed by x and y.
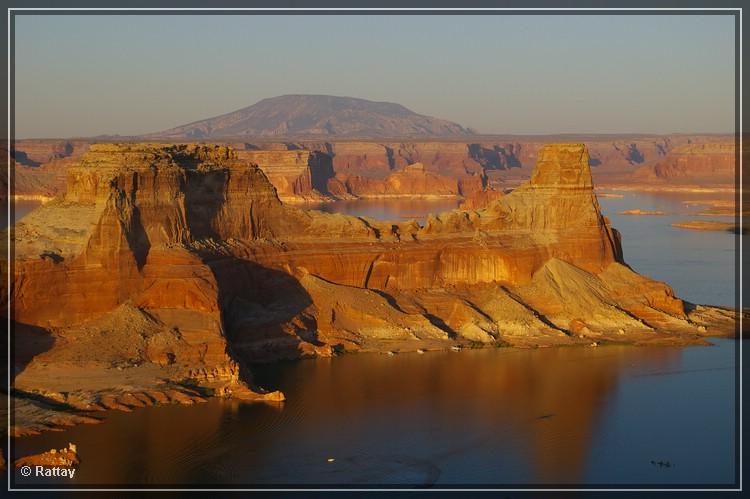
pixel 307 116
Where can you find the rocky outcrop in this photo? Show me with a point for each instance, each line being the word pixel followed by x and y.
pixel 39 166
pixel 47 180
pixel 413 180
pixel 123 236
pixel 480 199
pixel 35 152
pixel 504 161
pixel 500 162
pixel 167 266
pixel 66 458
pixel 297 175
pixel 712 163
pixel 380 159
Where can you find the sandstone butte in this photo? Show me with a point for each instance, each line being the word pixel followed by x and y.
pixel 310 171
pixel 164 269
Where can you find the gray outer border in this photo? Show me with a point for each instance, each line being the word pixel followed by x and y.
pixel 512 7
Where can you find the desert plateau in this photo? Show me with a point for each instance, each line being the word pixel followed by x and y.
pixel 165 272
pixel 373 251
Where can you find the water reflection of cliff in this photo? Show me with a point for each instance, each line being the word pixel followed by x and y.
pixel 476 417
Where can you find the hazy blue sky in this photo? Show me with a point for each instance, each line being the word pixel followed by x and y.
pixel 90 75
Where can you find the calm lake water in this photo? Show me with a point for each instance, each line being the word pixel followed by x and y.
pixel 699 265
pixel 494 417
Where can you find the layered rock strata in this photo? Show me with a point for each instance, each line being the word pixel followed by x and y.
pixel 501 162
pixel 298 176
pixel 40 165
pixel 164 268
pixel 509 159
pixel 712 163
pixel 411 181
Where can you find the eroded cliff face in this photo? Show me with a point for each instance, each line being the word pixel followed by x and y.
pixel 180 262
pixel 412 180
pixel 300 170
pixel 40 165
pixel 706 164
pixel 297 175
pixel 506 160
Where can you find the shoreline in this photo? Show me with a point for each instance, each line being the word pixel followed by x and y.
pixel 104 416
pixel 603 190
pixel 687 189
pixel 64 417
pixel 303 200
pixel 709 226
pixel 32 197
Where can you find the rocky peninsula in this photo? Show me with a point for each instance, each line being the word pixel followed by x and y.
pixel 166 269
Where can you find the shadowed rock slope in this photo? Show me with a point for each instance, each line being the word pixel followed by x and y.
pixel 164 268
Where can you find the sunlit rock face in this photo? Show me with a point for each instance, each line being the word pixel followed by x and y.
pixel 297 175
pixel 709 163
pixel 303 169
pixel 411 181
pixel 193 242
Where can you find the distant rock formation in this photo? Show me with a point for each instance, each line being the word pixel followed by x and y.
pixel 308 116
pixel 711 163
pixel 480 199
pixel 167 267
pixel 40 165
pixel 35 152
pixel 297 175
pixel 500 162
pixel 410 181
